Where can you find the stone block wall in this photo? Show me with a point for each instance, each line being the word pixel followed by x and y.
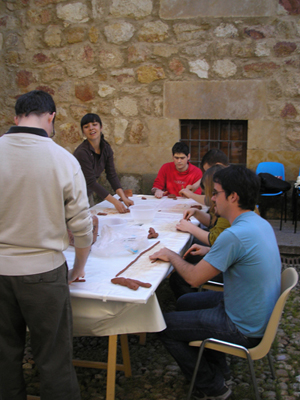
pixel 142 65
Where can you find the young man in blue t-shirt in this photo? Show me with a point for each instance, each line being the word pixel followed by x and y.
pixel 248 255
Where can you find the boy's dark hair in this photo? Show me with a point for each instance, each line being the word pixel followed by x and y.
pixel 214 156
pixel 90 118
pixel 37 102
pixel 180 147
pixel 242 181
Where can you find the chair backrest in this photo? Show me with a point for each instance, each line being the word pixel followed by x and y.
pixel 289 279
pixel 274 168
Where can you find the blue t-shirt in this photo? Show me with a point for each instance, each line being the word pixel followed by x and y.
pixel 247 253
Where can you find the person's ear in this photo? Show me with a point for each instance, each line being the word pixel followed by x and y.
pixel 189 156
pixel 51 117
pixel 16 120
pixel 234 197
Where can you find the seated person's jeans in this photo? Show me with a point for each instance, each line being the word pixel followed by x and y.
pixel 200 316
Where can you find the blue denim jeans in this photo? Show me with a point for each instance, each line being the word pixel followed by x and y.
pixel 200 316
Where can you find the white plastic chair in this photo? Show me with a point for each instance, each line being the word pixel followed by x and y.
pixel 289 279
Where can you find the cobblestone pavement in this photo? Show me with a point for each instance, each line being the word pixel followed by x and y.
pixel 155 374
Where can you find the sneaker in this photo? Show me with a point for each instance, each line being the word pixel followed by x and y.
pixel 221 394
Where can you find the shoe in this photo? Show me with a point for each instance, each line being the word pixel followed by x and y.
pixel 221 394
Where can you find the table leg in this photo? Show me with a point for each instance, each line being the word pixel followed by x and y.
pixel 111 367
pixel 142 340
pixel 125 355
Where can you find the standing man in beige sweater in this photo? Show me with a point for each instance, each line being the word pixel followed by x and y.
pixel 43 193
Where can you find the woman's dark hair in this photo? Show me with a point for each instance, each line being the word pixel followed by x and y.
pixel 207 182
pixel 36 101
pixel 90 118
pixel 244 182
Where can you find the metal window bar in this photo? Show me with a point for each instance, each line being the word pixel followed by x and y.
pixel 213 139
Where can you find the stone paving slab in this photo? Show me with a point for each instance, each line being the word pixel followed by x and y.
pixel 288 241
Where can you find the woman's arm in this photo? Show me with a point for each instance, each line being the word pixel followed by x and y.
pixel 194 186
pixel 200 198
pixel 186 226
pixel 201 216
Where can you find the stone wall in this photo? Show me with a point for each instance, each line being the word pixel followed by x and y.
pixel 144 64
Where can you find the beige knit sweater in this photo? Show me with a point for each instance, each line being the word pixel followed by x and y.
pixel 42 193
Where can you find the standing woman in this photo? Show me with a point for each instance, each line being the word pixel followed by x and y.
pixel 95 155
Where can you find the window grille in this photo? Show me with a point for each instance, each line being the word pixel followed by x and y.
pixel 227 135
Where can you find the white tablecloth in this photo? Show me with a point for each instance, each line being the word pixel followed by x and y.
pixel 101 308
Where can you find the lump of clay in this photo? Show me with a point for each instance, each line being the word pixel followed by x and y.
pixel 152 234
pixel 128 192
pixel 198 206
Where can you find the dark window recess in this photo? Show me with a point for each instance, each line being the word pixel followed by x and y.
pixel 227 135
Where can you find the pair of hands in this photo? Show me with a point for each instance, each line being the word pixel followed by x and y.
pixel 184 224
pixel 183 192
pixel 165 254
pixel 120 207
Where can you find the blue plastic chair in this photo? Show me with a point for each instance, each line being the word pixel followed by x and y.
pixel 295 198
pixel 276 169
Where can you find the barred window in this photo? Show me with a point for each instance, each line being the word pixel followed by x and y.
pixel 227 135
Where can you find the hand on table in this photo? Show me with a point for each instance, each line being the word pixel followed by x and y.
pixel 128 202
pixel 158 193
pixel 184 226
pixel 73 277
pixel 162 254
pixel 120 207
pixel 197 250
pixel 189 213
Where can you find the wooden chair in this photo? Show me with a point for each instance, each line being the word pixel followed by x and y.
pixel 212 285
pixel 289 279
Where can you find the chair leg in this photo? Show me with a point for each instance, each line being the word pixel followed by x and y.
pixel 282 201
pixel 250 362
pixel 271 365
pixel 196 370
pixel 285 202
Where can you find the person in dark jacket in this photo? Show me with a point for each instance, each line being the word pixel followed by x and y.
pixel 95 155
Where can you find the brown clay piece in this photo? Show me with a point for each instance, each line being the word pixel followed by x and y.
pixel 198 206
pixel 143 198
pixel 172 196
pixel 130 283
pixel 101 213
pixel 152 234
pixel 128 192
pixel 132 262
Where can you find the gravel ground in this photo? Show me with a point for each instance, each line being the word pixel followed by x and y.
pixel 155 374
